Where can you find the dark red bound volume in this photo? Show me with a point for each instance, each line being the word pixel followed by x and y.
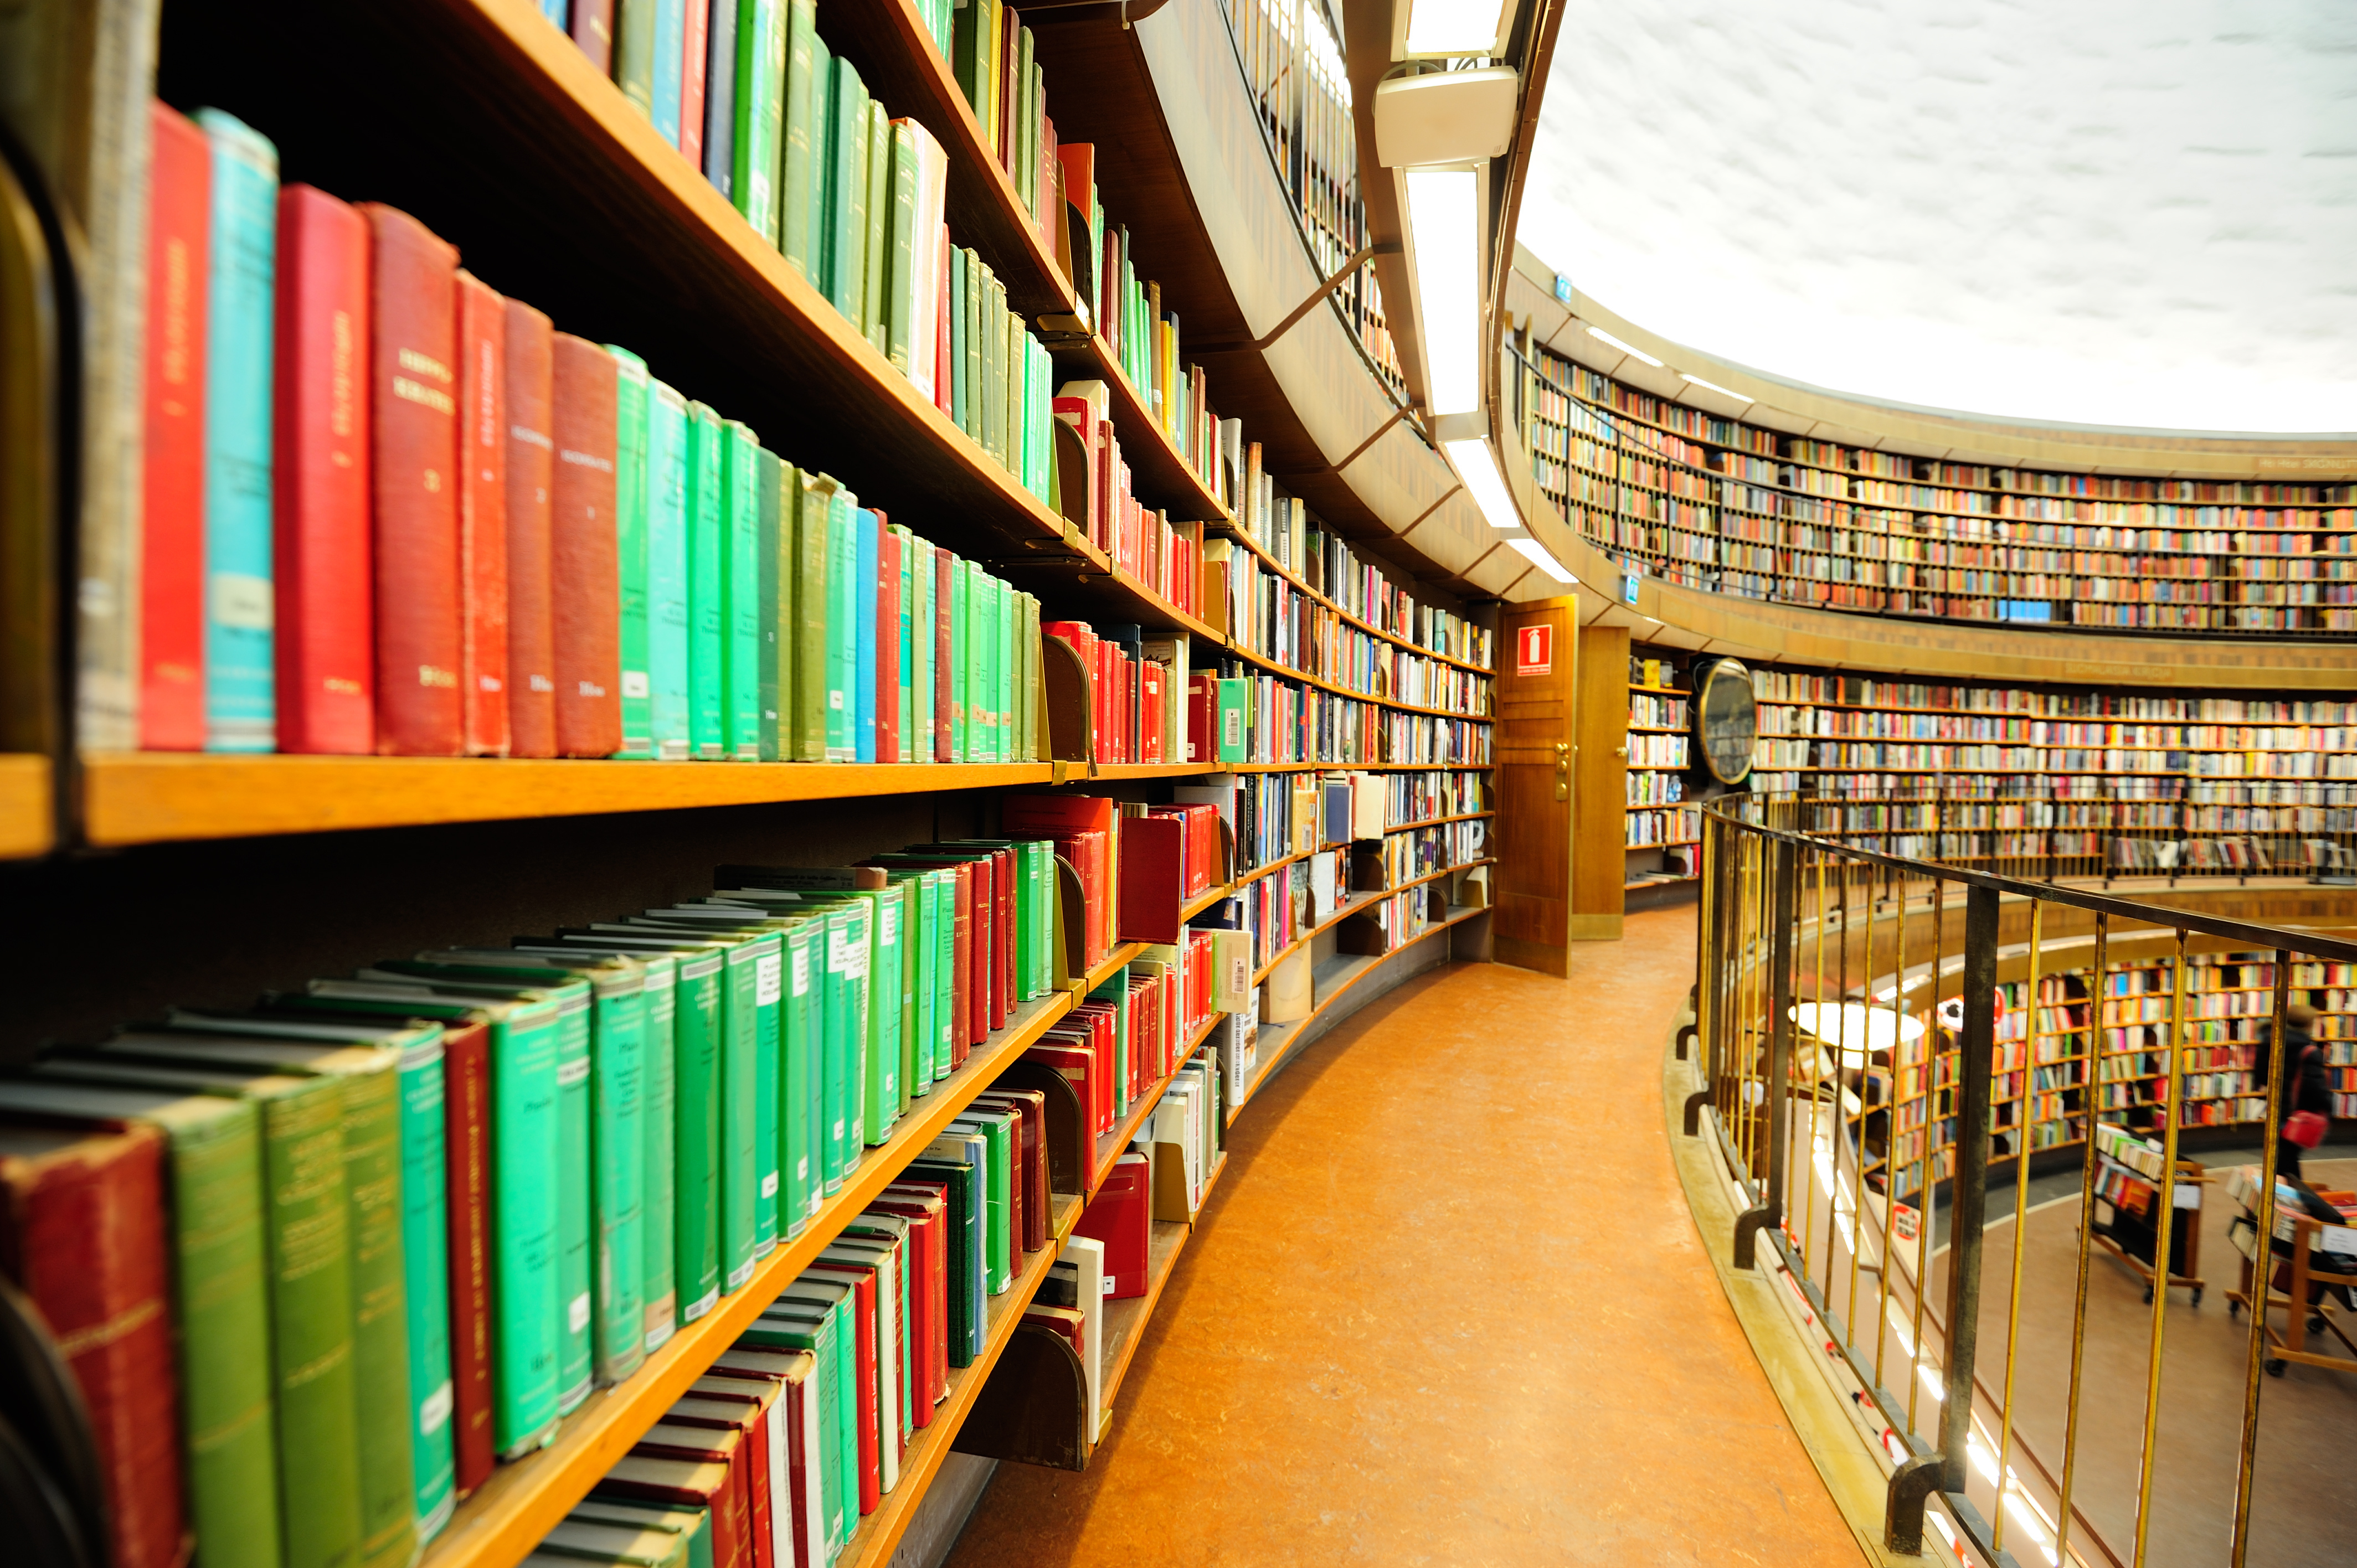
pixel 83 1232
pixel 466 1138
pixel 414 384
pixel 584 568
pixel 593 29
pixel 319 492
pixel 1116 1216
pixel 172 552
pixel 531 461
pixel 482 517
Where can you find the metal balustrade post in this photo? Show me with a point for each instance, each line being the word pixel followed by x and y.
pixel 1783 911
pixel 1913 1483
pixel 1719 848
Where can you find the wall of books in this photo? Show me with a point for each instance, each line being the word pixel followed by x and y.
pixel 830 776
pixel 1714 503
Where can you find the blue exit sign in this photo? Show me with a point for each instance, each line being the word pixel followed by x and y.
pixel 1563 288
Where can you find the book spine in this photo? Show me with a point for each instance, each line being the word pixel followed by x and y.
pixel 172 538
pixel 372 1161
pixel 659 1293
pixel 83 1231
pixel 757 111
pixel 584 573
pixel 886 655
pixel 774 607
pixel 414 416
pixel 320 482
pixel 618 1084
pixel 739 1115
pixel 846 201
pixel 801 117
pixel 695 42
pixel 905 288
pixel 634 54
pixel 240 675
pixel 707 577
pixel 425 1297
pixel 910 729
pixel 576 1204
pixel 797 1083
pixel 633 418
pixel 876 237
pixel 530 464
pixel 864 611
pixel 523 1229
pixel 483 518
pixel 943 665
pixel 670 42
pixel 467 1151
pixel 769 996
pixel 741 593
pixel 838 1083
pixel 592 27
pixel 667 572
pixel 311 1326
pixel 842 631
pixel 696 1200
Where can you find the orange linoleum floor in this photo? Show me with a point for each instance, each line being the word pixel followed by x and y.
pixel 1447 1305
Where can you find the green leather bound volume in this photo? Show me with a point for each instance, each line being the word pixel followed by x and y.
pixel 630 547
pixel 742 644
pixel 759 106
pixel 847 197
pixel 773 599
pixel 667 572
pixel 813 509
pixel 876 233
pixel 802 118
pixel 900 310
pixel 707 577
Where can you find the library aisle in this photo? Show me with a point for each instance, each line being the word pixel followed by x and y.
pixel 1415 1326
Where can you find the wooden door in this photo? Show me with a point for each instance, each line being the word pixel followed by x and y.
pixel 1539 645
pixel 1599 791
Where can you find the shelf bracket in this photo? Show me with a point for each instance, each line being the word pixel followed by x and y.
pixel 1342 275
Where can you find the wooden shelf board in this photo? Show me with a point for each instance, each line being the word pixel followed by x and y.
pixel 506 1517
pixel 1125 1321
pixel 1355 767
pixel 1218 1168
pixel 1350 907
pixel 26 825
pixel 1122 953
pixel 1204 900
pixel 1148 769
pixel 1286 670
pixel 1433 823
pixel 879 1533
pixel 1202 1032
pixel 151 797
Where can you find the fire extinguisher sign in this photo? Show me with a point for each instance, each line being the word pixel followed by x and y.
pixel 1534 651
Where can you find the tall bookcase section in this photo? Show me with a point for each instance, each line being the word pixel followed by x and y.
pixel 1709 502
pixel 2058 782
pixel 1663 824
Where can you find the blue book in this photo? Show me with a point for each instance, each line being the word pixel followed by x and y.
pixel 558 11
pixel 720 93
pixel 863 612
pixel 667 572
pixel 670 45
pixel 842 634
pixel 241 657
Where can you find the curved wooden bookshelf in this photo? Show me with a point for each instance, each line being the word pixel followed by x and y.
pixel 1277 667
pixel 27 816
pixel 1352 906
pixel 1235 531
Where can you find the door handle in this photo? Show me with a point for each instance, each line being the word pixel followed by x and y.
pixel 1563 750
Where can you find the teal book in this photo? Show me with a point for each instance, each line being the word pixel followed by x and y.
pixel 631 419
pixel 876 236
pixel 741 621
pixel 773 599
pixel 666 507
pixel 842 626
pixel 800 1026
pixel 575 1372
pixel 241 281
pixel 659 1293
pixel 847 203
pixel 759 111
pixel 707 577
pixel 865 605
pixel 1235 702
pixel 959 659
pixel 802 119
pixel 909 733
pixel 426 1253
pixel 671 42
pixel 900 310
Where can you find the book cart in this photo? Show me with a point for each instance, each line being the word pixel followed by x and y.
pixel 2127 1181
pixel 2306 1253
pixel 552 184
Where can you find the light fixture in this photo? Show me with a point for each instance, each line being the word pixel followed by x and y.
pixel 1444 249
pixel 1535 553
pixel 1634 353
pixel 1711 386
pixel 1446 116
pixel 1454 27
pixel 1478 466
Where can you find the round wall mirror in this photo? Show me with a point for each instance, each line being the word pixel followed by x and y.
pixel 1726 721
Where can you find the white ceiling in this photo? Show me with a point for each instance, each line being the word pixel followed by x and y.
pixel 2133 213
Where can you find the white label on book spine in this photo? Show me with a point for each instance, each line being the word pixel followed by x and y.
pixel 578 1315
pixel 802 971
pixel 573 1072
pixel 437 1408
pixel 770 1185
pixel 766 979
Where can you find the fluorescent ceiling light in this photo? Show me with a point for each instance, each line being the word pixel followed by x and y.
pixel 1535 553
pixel 1444 232
pixel 1711 386
pixel 1455 26
pixel 1474 464
pixel 1624 348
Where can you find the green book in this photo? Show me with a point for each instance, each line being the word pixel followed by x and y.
pixel 900 309
pixel 659 1293
pixel 667 572
pixel 707 579
pixel 968 1241
pixel 843 587
pixel 425 1251
pixel 976 302
pixel 819 236
pixel 983 698
pixel 868 962
pixel 773 600
pixel 990 322
pixel 692 1526
pixel 846 1058
pixel 803 119
pixel 956 673
pixel 875 241
pixel 740 592
pixel 925 632
pixel 811 553
pixel 739 1115
pixel 814 1126
pixel 847 207
pixel 1235 700
pixel 759 111
pixel 961 333
pixel 634 53
pixel 997 1133
pixel 630 547
pixel 220 1299
pixel 800 1026
pixel 801 1325
pixel 368 1079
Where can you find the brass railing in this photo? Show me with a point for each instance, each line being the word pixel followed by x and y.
pixel 1879 1034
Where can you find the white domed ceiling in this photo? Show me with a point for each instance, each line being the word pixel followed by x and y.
pixel 2111 212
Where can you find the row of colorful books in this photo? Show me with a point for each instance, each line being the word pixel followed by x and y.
pixel 1283 526
pixel 390 511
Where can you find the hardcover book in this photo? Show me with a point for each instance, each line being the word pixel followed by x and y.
pixel 483 442
pixel 172 564
pixel 530 475
pixel 584 571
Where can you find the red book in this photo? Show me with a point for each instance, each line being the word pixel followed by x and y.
pixel 1066 1323
pixel 593 29
pixel 943 659
pixel 82 1233
pixel 1202 716
pixel 466 1138
pixel 483 442
pixel 531 465
pixel 414 413
pixel 927 1210
pixel 321 457
pixel 888 644
pixel 862 1281
pixel 172 550
pixel 693 46
pixel 745 1420
pixel 1031 1167
pixel 1073 1061
pixel 1152 877
pixel 585 566
pixel 1116 1216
